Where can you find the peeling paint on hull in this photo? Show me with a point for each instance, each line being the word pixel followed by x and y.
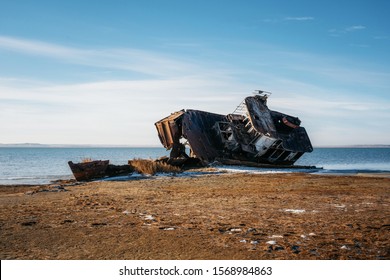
pixel 252 133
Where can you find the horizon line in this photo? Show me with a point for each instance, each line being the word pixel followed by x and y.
pixel 37 145
pixel 32 145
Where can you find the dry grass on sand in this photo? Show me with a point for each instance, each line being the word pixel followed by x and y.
pixel 151 167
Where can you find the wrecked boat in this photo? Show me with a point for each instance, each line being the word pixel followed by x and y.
pixel 251 135
pixel 97 169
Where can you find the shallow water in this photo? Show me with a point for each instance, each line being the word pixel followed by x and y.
pixel 42 165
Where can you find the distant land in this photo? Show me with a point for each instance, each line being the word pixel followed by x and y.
pixel 38 145
pixel 355 146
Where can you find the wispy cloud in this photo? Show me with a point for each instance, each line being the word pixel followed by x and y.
pixel 382 37
pixel 61 111
pixel 354 28
pixel 363 46
pixel 170 83
pixel 325 93
pixel 278 20
pixel 34 47
pixel 299 18
pixel 96 112
pixel 141 61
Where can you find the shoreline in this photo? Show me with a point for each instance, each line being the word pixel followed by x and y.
pixel 226 169
pixel 233 216
pixel 373 174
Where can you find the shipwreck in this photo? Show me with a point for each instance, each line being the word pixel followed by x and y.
pixel 252 135
pixel 98 169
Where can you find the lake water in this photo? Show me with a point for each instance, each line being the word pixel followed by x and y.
pixel 42 165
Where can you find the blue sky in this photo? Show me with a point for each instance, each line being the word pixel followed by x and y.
pixel 102 72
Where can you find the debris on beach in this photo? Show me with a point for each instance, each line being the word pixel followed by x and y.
pixel 295 211
pixel 55 188
pixel 276 236
pixel 253 135
pixel 167 228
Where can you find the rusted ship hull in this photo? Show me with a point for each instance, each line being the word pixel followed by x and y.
pixel 98 169
pixel 87 171
pixel 252 133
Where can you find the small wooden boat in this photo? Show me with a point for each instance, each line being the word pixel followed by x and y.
pixel 86 171
pixel 98 169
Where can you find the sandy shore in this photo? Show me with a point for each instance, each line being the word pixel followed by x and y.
pixel 228 216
